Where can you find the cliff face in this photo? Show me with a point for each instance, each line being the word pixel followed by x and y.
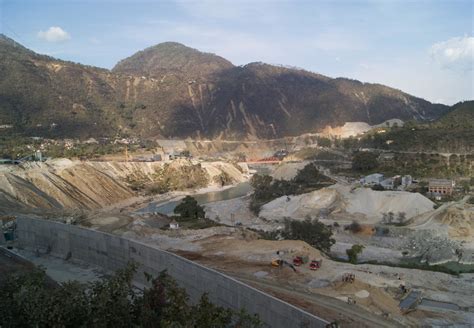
pixel 170 90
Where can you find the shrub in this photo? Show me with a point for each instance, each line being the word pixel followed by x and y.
pixel 353 252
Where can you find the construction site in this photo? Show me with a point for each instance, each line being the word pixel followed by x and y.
pixel 419 273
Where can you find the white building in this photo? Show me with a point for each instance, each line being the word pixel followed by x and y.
pixel 372 179
pixel 407 180
pixel 387 183
pixel 174 225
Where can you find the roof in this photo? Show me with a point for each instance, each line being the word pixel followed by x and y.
pixel 374 175
pixel 441 183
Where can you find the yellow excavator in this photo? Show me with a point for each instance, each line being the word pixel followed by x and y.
pixel 278 263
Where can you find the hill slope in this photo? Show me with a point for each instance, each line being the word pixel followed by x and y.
pixel 453 132
pixel 171 90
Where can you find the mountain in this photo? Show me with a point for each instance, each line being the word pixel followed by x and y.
pixel 171 57
pixel 170 90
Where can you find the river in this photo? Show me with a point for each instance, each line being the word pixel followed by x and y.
pixel 239 190
pixel 167 207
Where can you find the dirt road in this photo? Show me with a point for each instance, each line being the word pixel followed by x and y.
pixel 326 307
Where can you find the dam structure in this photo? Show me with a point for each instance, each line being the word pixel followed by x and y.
pixel 112 252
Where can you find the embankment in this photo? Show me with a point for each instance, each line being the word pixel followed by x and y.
pixel 65 184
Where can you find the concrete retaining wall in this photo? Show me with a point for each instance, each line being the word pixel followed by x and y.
pixel 113 252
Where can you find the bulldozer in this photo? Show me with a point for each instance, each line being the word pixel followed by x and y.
pixel 315 264
pixel 300 260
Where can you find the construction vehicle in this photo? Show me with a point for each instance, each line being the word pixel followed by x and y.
pixel 280 263
pixel 315 264
pixel 348 277
pixel 297 261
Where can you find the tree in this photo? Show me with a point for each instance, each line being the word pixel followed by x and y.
pixel 259 181
pixel 353 252
pixel 30 301
pixel 189 209
pixel 313 232
pixel 308 175
pixel 364 161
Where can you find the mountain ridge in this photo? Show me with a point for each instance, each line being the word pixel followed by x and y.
pixel 170 90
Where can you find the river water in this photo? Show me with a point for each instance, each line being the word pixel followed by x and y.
pixel 239 190
pixel 167 208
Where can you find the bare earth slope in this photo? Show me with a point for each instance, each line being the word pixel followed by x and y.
pixel 66 184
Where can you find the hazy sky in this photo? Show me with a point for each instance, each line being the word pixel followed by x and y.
pixel 425 48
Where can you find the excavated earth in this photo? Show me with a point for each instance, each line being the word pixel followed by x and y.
pixel 66 184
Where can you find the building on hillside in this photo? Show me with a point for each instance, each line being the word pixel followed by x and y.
pixel 441 186
pixel 372 179
pixel 174 225
pixel 407 180
pixel 387 184
pixel 281 154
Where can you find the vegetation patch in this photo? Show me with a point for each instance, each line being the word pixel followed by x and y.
pixel 353 253
pixel 313 232
pixel 27 301
pixel 189 209
pixel 171 177
pixel 267 189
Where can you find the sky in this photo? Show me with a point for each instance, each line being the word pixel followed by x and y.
pixel 425 48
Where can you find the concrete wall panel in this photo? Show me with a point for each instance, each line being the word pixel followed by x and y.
pixel 113 252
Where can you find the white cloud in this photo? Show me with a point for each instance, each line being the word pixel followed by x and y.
pixel 54 34
pixel 455 53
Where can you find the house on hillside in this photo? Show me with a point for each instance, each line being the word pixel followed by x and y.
pixel 441 187
pixel 372 179
pixel 388 184
pixel 174 225
pixel 407 181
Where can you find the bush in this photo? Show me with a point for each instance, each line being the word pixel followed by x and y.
pixel 353 252
pixel 313 232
